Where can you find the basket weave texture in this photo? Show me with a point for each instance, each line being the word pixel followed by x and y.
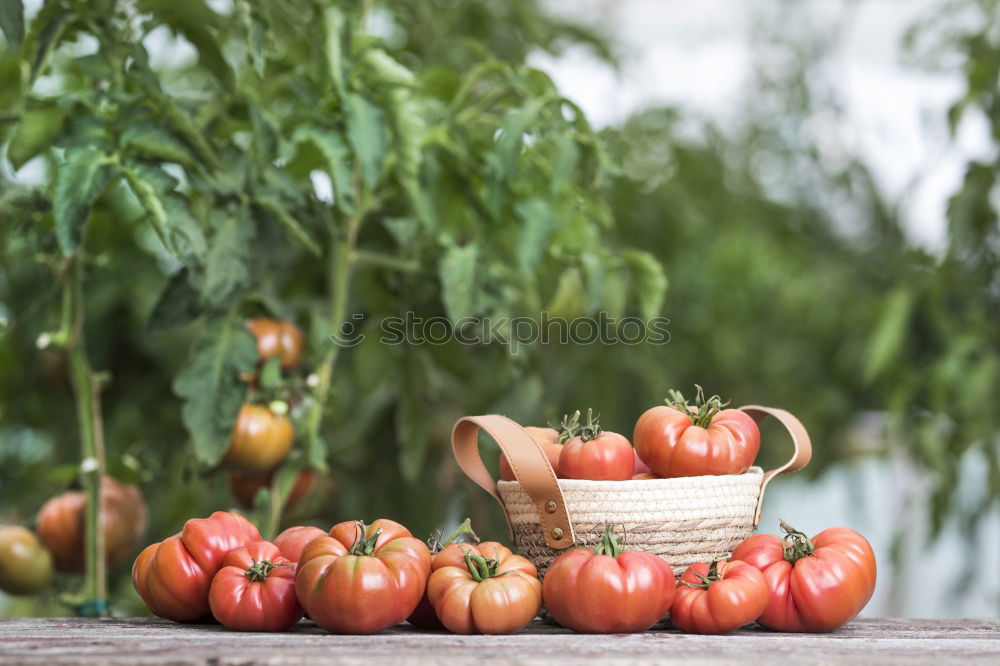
pixel 683 520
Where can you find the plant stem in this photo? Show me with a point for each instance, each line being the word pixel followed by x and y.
pixel 86 387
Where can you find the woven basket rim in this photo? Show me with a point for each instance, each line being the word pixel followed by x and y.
pixel 676 482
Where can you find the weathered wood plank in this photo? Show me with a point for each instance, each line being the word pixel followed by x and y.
pixel 73 641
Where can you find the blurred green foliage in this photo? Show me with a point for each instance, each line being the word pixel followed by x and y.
pixel 462 183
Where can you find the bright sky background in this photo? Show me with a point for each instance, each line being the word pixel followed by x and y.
pixel 698 55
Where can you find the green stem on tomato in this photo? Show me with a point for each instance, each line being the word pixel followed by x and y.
pixel 610 544
pixel 795 544
pixel 591 429
pixel 364 545
pixel 704 409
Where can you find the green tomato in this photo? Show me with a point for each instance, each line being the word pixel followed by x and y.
pixel 25 564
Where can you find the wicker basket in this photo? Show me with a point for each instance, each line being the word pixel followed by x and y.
pixel 683 520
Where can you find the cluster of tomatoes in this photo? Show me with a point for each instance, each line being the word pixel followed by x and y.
pixel 671 440
pixel 28 558
pixel 360 579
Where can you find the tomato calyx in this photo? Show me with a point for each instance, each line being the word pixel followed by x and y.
pixel 481 567
pixel 568 427
pixel 706 581
pixel 610 544
pixel 463 533
pixel 591 429
pixel 704 409
pixel 261 569
pixel 365 545
pixel 795 543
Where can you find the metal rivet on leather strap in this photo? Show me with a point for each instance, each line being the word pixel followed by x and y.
pixel 550 506
pixel 557 533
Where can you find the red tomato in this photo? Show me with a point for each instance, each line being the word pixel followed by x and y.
pixel 255 590
pixel 608 591
pixel 718 598
pixel 639 467
pixel 360 580
pixel 484 589
pixel 293 541
pixel 597 455
pixel 123 520
pixel 676 440
pixel 277 338
pixel 174 576
pixel 816 584
pixel 244 486
pixel 260 440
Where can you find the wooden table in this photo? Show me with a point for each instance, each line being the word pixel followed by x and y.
pixel 143 641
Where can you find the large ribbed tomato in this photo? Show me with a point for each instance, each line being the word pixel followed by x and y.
pixel 261 438
pixel 123 520
pixel 293 540
pixel 276 337
pixel 360 579
pixel 676 440
pixel 608 590
pixel 816 584
pixel 484 589
pixel 255 590
pixel 173 576
pixel 719 597
pixel 596 455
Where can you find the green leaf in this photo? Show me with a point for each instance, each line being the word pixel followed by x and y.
pixel 211 389
pixel 12 22
pixel 366 134
pixel 890 333
pixel 33 134
pixel 196 21
pixel 338 162
pixel 275 209
pixel 649 281
pixel 387 69
pixel 536 216
pixel 180 234
pixel 270 373
pixel 457 275
pixel 77 185
pixel 511 139
pixel 176 306
pixel 229 253
pixel 334 24
pixel 158 143
pixel 566 158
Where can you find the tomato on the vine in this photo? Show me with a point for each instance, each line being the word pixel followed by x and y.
pixel 608 590
pixel 292 541
pixel 719 597
pixel 25 564
pixel 815 584
pixel 255 590
pixel 596 455
pixel 678 440
pixel 362 579
pixel 260 439
pixel 123 520
pixel 174 576
pixel 484 589
pixel 244 486
pixel 276 337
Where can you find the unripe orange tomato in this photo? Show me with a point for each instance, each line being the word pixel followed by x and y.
pixel 261 439
pixel 25 564
pixel 276 337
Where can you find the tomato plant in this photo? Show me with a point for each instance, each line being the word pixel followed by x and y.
pixel 255 590
pixel 61 524
pixel 293 541
pixel 423 615
pixel 261 438
pixel 174 576
pixel 277 338
pixel 362 579
pixel 597 455
pixel 719 597
pixel 25 564
pixel 488 590
pixel 244 486
pixel 608 590
pixel 815 584
pixel 678 440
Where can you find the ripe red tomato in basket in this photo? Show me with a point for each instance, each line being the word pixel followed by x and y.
pixel 484 589
pixel 597 455
pixel 174 576
pixel 362 579
pixel 815 584
pixel 255 590
pixel 292 541
pixel 276 337
pixel 608 590
pixel 676 440
pixel 719 597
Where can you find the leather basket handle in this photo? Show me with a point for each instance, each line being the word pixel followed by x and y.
pixel 800 440
pixel 530 465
